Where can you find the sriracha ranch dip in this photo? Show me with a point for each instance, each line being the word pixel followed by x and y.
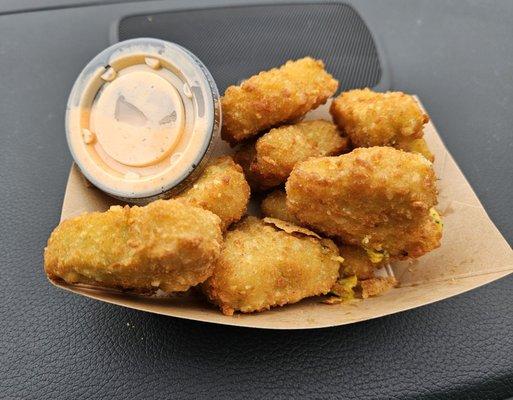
pixel 142 118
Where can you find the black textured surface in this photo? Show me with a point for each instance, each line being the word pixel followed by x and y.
pixel 237 42
pixel 456 55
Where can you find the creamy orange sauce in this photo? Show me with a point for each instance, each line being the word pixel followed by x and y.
pixel 138 129
pixel 138 118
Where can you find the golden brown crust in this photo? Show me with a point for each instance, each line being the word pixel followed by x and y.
pixel 378 197
pixel 415 146
pixel 222 189
pixel 267 162
pixel 291 228
pixel 274 205
pixel 357 262
pixel 381 119
pixel 281 148
pixel 245 156
pixel 375 286
pixel 274 97
pixel 262 266
pixel 165 245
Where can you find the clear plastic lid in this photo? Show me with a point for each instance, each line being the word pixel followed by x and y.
pixel 142 118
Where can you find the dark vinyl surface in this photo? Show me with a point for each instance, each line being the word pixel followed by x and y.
pixel 456 55
pixel 238 42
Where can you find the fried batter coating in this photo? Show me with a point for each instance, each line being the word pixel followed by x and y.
pixel 349 288
pixel 375 286
pixel 268 161
pixel 244 156
pixel 343 290
pixel 426 235
pixel 379 198
pixel 381 119
pixel 274 97
pixel 357 262
pixel 415 146
pixel 281 148
pixel 222 189
pixel 165 245
pixel 356 274
pixel 274 205
pixel 263 266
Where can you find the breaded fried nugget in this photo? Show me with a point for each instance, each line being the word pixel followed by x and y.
pixel 381 119
pixel 268 161
pixel 262 266
pixel 245 156
pixel 222 189
pixel 165 245
pixel 357 262
pixel 274 97
pixel 379 198
pixel 281 148
pixel 274 205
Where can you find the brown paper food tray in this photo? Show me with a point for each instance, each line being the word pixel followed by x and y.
pixel 473 253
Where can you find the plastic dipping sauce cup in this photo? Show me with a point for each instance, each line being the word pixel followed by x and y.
pixel 142 118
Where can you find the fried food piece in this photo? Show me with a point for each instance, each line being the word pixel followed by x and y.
pixel 357 262
pixel 375 286
pixel 244 156
pixel 381 119
pixel 274 97
pixel 281 148
pixel 343 290
pixel 425 236
pixel 350 287
pixel 274 205
pixel 268 161
pixel 415 146
pixel 359 265
pixel 222 189
pixel 165 245
pixel 263 266
pixel 379 198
